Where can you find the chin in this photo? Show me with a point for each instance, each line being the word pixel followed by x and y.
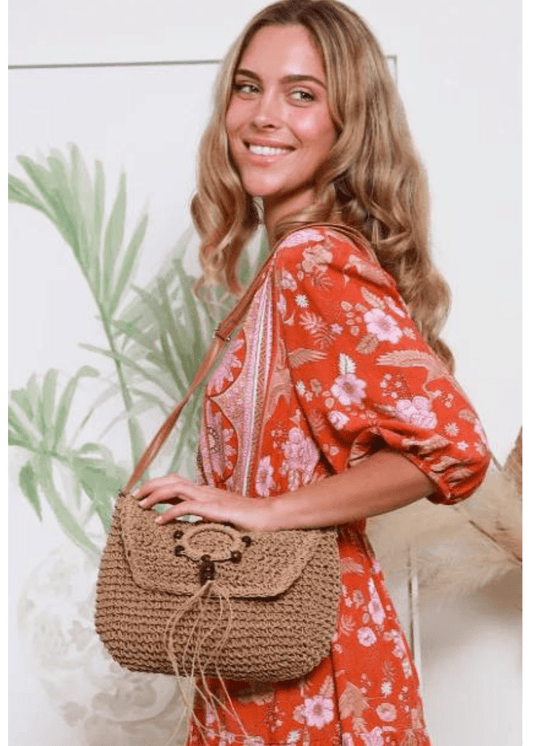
pixel 256 189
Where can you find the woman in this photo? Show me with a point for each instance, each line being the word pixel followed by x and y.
pixel 335 400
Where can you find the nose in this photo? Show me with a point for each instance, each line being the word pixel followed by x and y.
pixel 268 112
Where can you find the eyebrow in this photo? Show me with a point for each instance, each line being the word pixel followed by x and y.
pixel 286 79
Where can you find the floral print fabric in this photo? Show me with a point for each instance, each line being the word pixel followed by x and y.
pixel 327 368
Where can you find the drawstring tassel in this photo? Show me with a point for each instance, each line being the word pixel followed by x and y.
pixel 193 648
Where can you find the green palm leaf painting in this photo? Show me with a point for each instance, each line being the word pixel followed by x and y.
pixel 37 418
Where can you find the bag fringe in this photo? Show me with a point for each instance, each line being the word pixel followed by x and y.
pixel 211 702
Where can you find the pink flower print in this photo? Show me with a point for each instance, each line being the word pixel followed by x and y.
pixel 451 429
pixel 386 712
pixel 406 668
pixel 400 650
pixel 392 305
pixel 375 607
pixel 300 387
pixel 337 419
pixel 366 636
pixel 287 281
pixel 348 389
pixel 228 433
pixel 382 325
pixel 374 738
pixel 417 718
pixel 264 481
pixel 316 259
pixel 225 738
pixel 219 442
pixel 347 739
pixel 224 371
pixel 209 715
pixel 417 411
pixel 478 428
pixel 318 711
pixel 301 457
pixel 303 236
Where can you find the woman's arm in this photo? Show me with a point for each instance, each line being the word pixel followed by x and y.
pixel 377 484
pixel 361 371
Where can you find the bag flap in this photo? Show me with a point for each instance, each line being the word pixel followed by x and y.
pixel 269 562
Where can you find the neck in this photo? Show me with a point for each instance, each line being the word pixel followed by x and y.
pixel 274 211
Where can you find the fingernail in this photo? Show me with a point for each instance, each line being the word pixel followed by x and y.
pixel 144 502
pixel 159 520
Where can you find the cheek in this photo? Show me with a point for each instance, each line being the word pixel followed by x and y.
pixel 230 126
pixel 318 131
pixel 234 117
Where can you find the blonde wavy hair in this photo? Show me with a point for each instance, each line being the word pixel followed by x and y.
pixel 373 179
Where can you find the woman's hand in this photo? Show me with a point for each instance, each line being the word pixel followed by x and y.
pixel 377 484
pixel 210 503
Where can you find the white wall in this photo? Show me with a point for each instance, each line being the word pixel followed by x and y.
pixel 459 77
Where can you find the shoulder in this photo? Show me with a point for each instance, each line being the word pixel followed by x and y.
pixel 325 249
pixel 309 239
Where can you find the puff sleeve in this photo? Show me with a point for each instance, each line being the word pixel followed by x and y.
pixel 364 376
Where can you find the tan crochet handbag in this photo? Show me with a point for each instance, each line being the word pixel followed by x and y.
pixel 206 599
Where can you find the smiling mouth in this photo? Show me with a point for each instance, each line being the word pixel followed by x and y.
pixel 267 150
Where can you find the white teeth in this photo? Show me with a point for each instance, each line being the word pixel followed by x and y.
pixel 264 150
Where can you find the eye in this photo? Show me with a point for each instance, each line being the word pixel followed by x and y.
pixel 303 96
pixel 245 88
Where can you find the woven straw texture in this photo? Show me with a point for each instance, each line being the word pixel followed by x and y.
pixel 269 616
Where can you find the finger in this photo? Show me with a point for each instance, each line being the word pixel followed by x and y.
pixel 182 490
pixel 176 490
pixel 182 509
pixel 162 495
pixel 152 485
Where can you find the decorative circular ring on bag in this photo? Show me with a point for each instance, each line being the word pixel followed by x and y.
pixel 207 543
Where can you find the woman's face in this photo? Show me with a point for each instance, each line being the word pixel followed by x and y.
pixel 278 122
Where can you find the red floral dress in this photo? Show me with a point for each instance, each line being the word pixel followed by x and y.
pixel 327 368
